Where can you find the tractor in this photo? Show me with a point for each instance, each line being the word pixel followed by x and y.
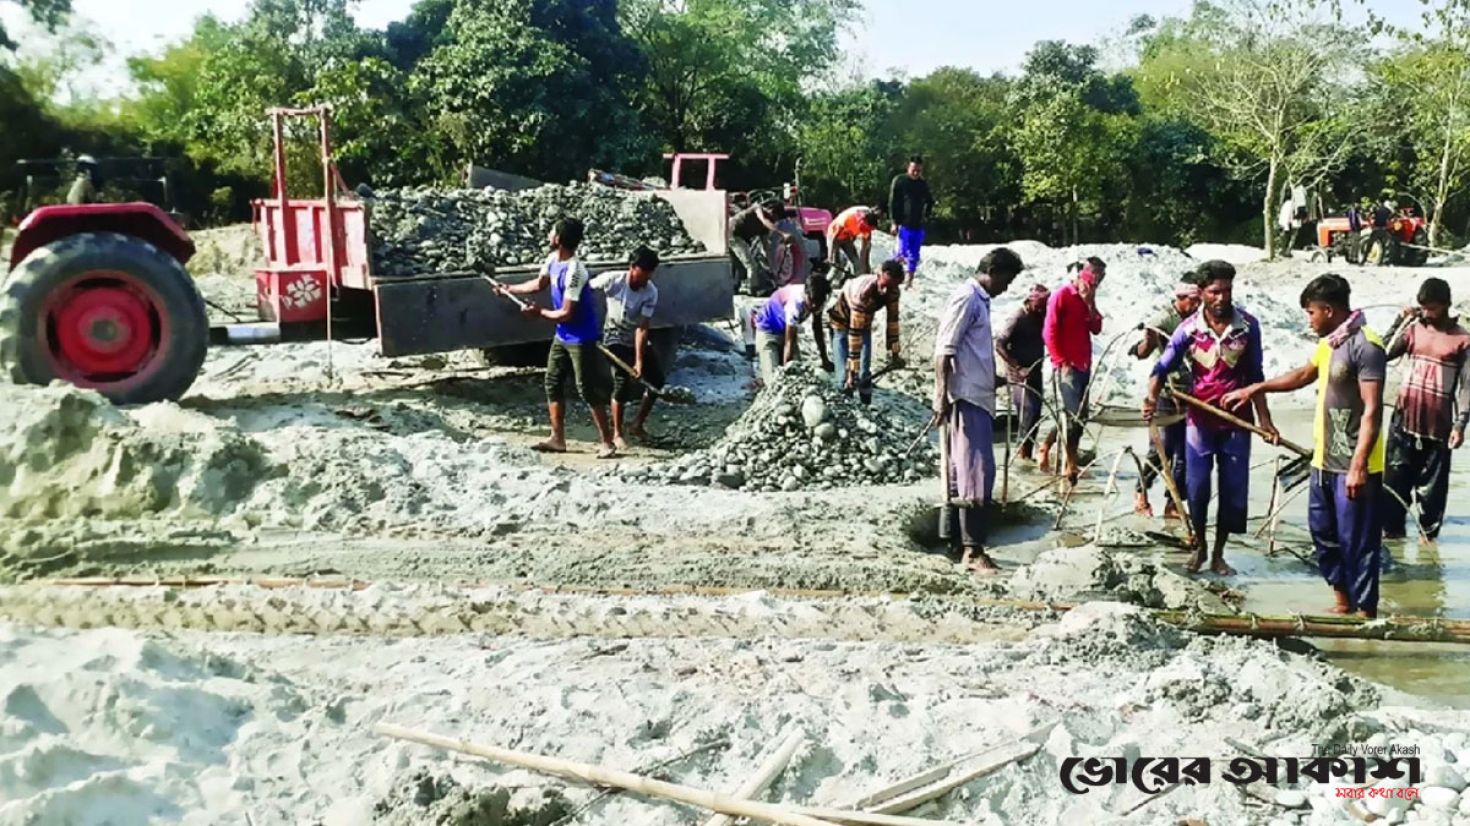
pixel 97 294
pixel 1404 242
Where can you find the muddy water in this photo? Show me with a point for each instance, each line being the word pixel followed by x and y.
pixel 1428 579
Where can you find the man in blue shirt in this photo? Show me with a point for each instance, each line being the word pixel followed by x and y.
pixel 574 357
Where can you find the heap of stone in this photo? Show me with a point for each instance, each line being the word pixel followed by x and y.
pixel 427 230
pixel 802 433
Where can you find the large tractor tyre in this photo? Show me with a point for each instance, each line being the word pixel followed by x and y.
pixel 1418 255
pixel 1382 250
pixel 104 311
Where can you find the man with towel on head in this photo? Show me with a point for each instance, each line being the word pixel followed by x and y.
pixel 1156 333
pixel 1021 347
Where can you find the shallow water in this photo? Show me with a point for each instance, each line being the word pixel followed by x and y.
pixel 1428 580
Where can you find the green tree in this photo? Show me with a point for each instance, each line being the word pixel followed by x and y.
pixel 48 13
pixel 537 87
pixel 732 75
pixel 1264 77
pixel 848 144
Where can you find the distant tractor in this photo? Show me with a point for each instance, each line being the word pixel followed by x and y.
pixel 97 294
pixel 1404 242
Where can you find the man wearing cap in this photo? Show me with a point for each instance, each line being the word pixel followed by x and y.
pixel 1020 346
pixel 1156 333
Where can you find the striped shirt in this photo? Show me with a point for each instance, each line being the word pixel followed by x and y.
pixel 857 304
pixel 1435 397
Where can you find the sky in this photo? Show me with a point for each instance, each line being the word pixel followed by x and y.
pixel 911 37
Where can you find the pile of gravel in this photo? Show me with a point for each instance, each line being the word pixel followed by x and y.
pixel 427 230
pixel 802 433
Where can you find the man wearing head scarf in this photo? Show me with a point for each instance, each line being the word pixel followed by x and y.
pixel 1020 346
pixel 1156 333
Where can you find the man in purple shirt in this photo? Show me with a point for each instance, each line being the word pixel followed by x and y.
pixel 1221 347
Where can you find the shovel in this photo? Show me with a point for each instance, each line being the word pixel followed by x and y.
pixel 1292 474
pixel 670 395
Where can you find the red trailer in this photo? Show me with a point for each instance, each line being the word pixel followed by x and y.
pixel 98 295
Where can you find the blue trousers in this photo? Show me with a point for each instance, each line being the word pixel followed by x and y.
pixel 1229 453
pixel 1348 536
pixel 865 372
pixel 910 240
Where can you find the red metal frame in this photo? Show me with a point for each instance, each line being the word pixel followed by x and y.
pixel 313 247
pixel 140 220
pixel 713 158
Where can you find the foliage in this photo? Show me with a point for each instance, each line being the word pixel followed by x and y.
pixel 848 145
pixel 48 13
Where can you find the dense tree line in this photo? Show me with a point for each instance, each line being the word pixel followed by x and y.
pixel 1194 133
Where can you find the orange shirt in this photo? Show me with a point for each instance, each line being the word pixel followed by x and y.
pixel 848 225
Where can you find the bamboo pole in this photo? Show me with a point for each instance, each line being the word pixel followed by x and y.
pixel 761 780
pixel 603 776
pixel 1005 473
pixel 1271 508
pixel 1167 474
pixel 992 761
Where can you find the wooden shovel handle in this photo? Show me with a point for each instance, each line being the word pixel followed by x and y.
pixel 1238 422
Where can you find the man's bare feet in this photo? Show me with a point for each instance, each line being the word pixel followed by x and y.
pixel 1341 604
pixel 979 562
pixel 1141 505
pixel 1043 460
pixel 1171 512
pixel 550 446
pixel 1219 567
pixel 1196 562
pixel 620 443
pixel 607 452
pixel 1366 614
pixel 1025 455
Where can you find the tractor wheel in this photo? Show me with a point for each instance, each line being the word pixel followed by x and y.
pixel 1382 250
pixel 1418 255
pixel 104 311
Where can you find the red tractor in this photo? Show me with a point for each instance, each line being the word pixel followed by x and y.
pixel 1404 242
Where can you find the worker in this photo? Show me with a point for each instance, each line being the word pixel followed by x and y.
pixel 778 324
pixel 1156 333
pixel 1020 346
pixel 88 181
pixel 1349 368
pixel 910 203
pixel 851 235
pixel 1221 347
pixel 750 225
pixel 851 320
pixel 573 355
pixel 1432 411
pixel 632 299
pixel 964 405
pixel 1072 319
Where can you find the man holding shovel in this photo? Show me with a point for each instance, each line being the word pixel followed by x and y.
pixel 573 358
pixel 964 407
pixel 631 301
pixel 1349 367
pixel 1221 347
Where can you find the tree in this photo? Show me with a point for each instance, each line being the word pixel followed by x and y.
pixel 48 13
pixel 848 143
pixel 732 75
pixel 1262 77
pixel 538 87
pixel 1428 83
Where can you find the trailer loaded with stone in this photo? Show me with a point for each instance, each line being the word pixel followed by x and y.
pixel 97 295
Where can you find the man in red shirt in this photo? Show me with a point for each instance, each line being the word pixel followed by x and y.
pixel 1072 320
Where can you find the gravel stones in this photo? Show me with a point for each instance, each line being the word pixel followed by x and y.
pixel 427 230
pixel 802 433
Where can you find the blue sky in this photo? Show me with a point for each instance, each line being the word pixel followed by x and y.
pixel 911 36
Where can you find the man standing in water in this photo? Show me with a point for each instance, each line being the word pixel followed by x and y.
pixel 1348 367
pixel 1155 335
pixel 1432 411
pixel 964 406
pixel 1020 346
pixel 1221 347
